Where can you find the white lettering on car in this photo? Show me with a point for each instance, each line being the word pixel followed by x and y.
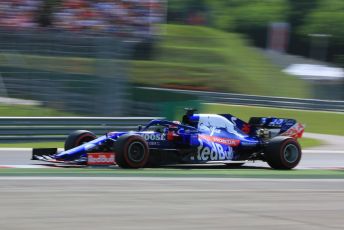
pixel 153 137
pixel 214 153
pixel 276 122
pixel 205 153
pixel 100 158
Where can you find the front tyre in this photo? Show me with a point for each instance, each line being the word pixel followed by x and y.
pixel 78 138
pixel 131 151
pixel 283 153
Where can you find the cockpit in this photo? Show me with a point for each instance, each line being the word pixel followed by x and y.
pixel 211 123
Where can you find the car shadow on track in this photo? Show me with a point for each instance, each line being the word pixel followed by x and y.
pixel 177 166
pixel 212 167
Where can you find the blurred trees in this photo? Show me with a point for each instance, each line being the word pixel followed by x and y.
pixel 327 19
pixel 252 17
pixel 248 14
pixel 231 14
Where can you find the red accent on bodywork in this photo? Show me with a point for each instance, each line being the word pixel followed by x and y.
pixel 221 140
pixel 170 135
pixel 299 135
pixel 246 128
pixel 296 131
pixel 100 158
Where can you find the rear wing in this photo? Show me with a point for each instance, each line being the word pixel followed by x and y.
pixel 279 126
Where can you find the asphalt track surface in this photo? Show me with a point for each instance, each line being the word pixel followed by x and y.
pixel 330 155
pixel 56 203
pixel 311 159
pixel 34 203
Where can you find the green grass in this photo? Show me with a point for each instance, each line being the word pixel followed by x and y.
pixel 205 58
pixel 75 65
pixel 305 143
pixel 172 172
pixel 187 56
pixel 309 142
pixel 30 111
pixel 315 121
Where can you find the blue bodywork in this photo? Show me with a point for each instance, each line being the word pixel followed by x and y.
pixel 200 138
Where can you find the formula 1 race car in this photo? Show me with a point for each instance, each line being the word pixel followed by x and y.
pixel 197 139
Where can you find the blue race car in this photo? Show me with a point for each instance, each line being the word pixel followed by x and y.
pixel 197 139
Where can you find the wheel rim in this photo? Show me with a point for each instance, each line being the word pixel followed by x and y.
pixel 136 152
pixel 291 153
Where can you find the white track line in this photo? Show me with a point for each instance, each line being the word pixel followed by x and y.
pixel 26 166
pixel 97 178
pixel 16 149
pixel 322 151
pixel 21 149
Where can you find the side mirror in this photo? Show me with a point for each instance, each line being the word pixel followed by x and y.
pixel 139 128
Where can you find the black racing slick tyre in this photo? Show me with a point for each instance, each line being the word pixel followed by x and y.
pixel 283 153
pixel 131 151
pixel 77 138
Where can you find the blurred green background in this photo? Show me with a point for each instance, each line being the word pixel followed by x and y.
pixel 204 45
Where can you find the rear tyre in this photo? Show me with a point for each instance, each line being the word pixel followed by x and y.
pixel 78 137
pixel 283 153
pixel 131 151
